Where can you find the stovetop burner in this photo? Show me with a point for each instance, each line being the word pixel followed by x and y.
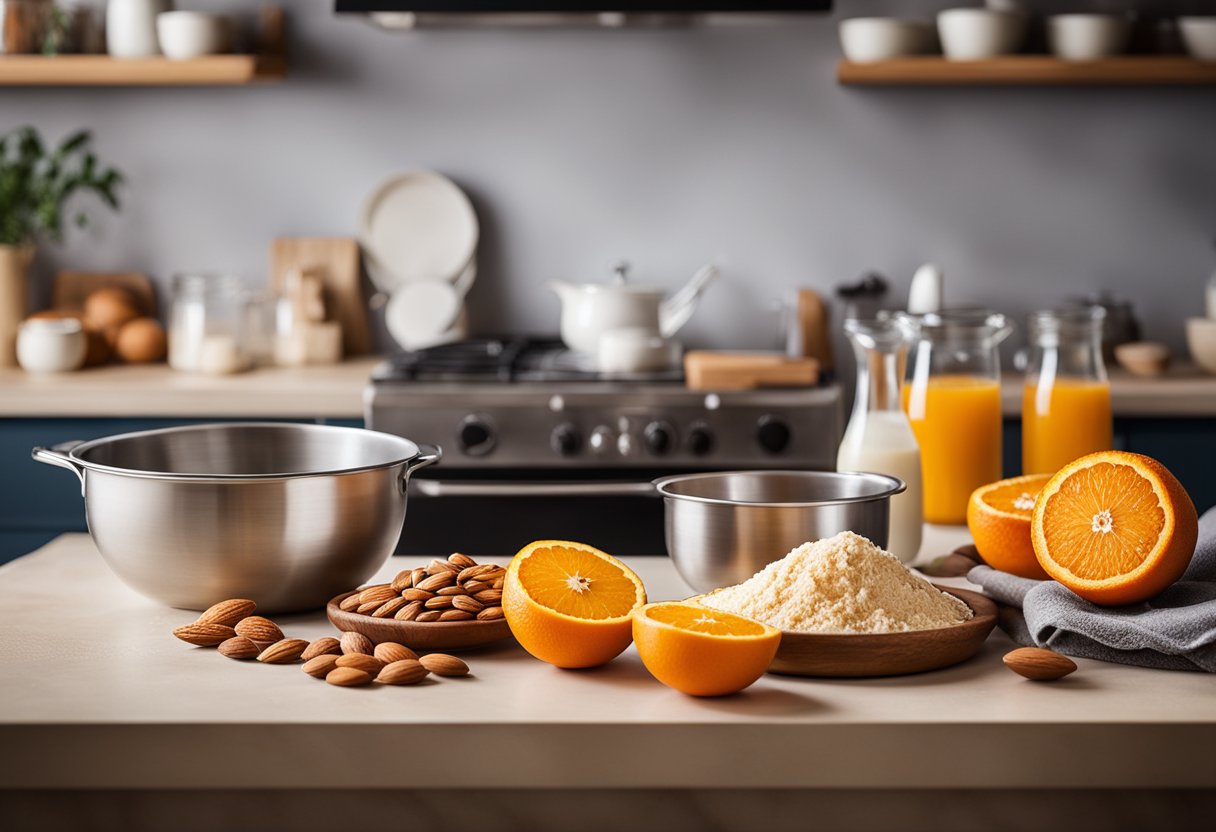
pixel 504 360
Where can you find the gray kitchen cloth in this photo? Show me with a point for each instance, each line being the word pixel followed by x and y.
pixel 1174 631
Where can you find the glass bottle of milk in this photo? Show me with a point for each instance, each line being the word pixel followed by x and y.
pixel 879 438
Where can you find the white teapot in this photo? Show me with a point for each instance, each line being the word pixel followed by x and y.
pixel 589 310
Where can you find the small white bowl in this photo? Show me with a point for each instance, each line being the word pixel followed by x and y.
pixel 868 40
pixel 186 35
pixel 1087 37
pixel 1199 35
pixel 1143 358
pixel 1201 340
pixel 978 34
pixel 55 345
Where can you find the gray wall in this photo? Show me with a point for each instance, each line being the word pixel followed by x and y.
pixel 668 148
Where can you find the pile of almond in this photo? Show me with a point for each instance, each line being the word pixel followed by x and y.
pixel 351 660
pixel 456 589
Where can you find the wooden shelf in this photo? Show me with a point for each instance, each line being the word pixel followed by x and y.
pixel 1029 70
pixel 269 64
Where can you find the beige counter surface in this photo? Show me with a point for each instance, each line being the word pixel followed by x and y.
pixel 98 694
pixel 155 391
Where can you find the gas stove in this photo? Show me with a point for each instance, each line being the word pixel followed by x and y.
pixel 531 434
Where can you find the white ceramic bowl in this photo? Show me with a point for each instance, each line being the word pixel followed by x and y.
pixel 185 35
pixel 977 34
pixel 1087 37
pixel 1199 35
pixel 870 39
pixel 55 345
pixel 1201 340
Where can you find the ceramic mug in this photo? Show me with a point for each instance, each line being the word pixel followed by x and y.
pixel 1087 37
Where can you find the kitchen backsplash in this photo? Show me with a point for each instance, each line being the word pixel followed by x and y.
pixel 667 147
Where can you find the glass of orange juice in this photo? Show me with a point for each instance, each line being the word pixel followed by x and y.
pixel 953 400
pixel 1066 410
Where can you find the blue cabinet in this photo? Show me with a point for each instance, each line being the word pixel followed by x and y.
pixel 39 502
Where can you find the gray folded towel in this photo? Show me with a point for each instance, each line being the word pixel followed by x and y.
pixel 1174 631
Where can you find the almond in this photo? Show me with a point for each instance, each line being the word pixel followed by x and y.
pixel 356 643
pixel 350 603
pixel 437 581
pixel 404 672
pixel 419 576
pixel 389 607
pixel 326 646
pixel 440 602
pixel 376 594
pixel 368 664
pixel 452 591
pixel 416 594
pixel 437 567
pixel 464 602
pixel 461 561
pixel 489 596
pixel 1039 665
pixel 204 635
pixel 441 664
pixel 239 647
pixel 284 652
pixel 455 615
pixel 428 615
pixel 490 614
pixel 474 571
pixel 409 612
pixel 319 667
pixel 473 587
pixel 259 629
pixel 369 607
pixel 498 583
pixel 347 677
pixel 404 580
pixel 228 612
pixel 389 652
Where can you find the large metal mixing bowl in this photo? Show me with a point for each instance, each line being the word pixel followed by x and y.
pixel 288 515
pixel 722 528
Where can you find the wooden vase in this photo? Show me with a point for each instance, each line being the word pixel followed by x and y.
pixel 14 298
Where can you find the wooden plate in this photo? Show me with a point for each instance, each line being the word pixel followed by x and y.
pixel 887 654
pixel 427 635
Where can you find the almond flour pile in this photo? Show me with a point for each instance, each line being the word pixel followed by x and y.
pixel 843 584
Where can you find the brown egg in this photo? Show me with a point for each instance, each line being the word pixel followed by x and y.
pixel 141 341
pixel 97 351
pixel 110 307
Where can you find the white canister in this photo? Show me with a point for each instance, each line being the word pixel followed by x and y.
pixel 131 27
pixel 55 345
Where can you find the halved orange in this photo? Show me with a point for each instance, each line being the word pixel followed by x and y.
pixel 998 515
pixel 700 651
pixel 1114 527
pixel 569 604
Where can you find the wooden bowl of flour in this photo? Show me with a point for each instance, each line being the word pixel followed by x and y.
pixel 887 654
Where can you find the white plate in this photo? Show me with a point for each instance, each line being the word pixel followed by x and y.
pixel 423 313
pixel 417 226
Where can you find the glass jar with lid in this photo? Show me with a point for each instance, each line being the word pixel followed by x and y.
pixel 207 324
pixel 1066 411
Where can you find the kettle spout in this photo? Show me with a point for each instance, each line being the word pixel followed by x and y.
pixel 677 309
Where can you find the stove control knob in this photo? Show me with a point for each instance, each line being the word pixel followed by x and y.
pixel 700 439
pixel 659 438
pixel 602 440
pixel 475 436
pixel 772 434
pixel 565 439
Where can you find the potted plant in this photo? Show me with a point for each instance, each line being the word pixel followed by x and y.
pixel 36 183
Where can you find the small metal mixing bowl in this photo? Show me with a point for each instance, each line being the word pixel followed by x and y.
pixel 722 528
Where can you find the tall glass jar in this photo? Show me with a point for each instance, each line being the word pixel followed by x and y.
pixel 206 326
pixel 878 438
pixel 1066 410
pixel 953 400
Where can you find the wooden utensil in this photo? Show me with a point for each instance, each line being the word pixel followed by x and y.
pixel 887 654
pixel 426 635
pixel 812 315
pixel 71 288
pixel 335 261
pixel 711 370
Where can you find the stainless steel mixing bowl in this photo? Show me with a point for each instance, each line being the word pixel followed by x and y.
pixel 722 528
pixel 286 514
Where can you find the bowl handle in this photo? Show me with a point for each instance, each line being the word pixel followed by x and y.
pixel 58 455
pixel 427 455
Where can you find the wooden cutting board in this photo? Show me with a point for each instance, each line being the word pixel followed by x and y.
pixel 812 314
pixel 336 261
pixel 712 370
pixel 71 288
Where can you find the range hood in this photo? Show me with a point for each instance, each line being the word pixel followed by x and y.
pixel 411 13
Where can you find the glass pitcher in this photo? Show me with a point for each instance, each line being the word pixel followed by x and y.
pixel 878 438
pixel 1066 410
pixel 953 400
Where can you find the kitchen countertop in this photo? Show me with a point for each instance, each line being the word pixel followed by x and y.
pixel 154 391
pixel 97 694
